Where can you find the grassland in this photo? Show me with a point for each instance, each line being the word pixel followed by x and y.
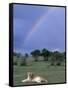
pixel 54 74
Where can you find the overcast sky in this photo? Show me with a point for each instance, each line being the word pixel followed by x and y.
pixel 37 27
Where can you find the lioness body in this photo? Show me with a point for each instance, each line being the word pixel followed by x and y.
pixel 34 78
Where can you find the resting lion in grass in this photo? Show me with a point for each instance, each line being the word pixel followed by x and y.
pixel 34 78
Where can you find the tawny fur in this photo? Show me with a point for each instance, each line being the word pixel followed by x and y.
pixel 34 78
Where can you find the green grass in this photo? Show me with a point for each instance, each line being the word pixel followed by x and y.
pixel 54 74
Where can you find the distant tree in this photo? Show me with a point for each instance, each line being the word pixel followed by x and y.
pixel 14 53
pixel 26 55
pixel 16 58
pixel 35 54
pixel 56 58
pixel 19 55
pixel 64 55
pixel 52 58
pixel 45 53
pixel 24 60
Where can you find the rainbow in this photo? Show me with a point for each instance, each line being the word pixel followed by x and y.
pixel 37 24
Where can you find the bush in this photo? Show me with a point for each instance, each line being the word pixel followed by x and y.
pixel 15 63
pixel 52 64
pixel 23 61
pixel 58 64
pixel 23 64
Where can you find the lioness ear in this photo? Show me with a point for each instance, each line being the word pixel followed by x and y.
pixel 32 75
